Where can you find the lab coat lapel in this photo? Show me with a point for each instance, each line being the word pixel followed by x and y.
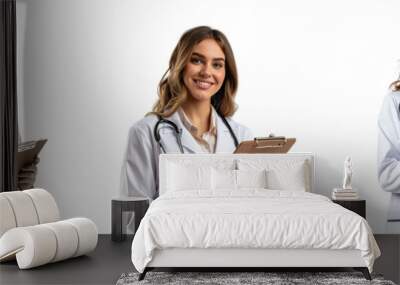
pixel 224 139
pixel 188 142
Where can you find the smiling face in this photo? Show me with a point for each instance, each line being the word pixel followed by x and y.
pixel 204 74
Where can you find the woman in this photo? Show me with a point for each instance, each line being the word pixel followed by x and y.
pixel 389 153
pixel 196 94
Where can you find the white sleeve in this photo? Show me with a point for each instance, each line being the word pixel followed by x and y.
pixel 389 145
pixel 140 170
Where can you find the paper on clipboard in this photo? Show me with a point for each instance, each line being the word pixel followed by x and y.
pixel 266 145
pixel 27 152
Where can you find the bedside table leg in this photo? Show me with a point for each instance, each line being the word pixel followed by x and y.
pixel 116 221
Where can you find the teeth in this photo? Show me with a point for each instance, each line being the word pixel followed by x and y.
pixel 203 84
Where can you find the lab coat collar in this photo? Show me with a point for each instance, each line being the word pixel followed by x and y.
pixel 224 142
pixel 188 142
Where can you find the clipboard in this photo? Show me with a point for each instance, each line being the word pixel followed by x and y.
pixel 266 145
pixel 27 152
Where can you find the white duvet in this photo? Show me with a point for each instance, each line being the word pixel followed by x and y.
pixel 250 219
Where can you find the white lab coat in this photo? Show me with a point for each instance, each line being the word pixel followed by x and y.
pixel 140 171
pixel 389 152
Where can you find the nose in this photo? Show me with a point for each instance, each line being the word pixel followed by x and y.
pixel 205 70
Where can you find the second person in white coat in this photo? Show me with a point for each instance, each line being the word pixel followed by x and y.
pixel 196 93
pixel 389 154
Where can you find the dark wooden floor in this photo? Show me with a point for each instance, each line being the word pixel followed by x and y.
pixel 103 266
pixel 110 260
pixel 388 263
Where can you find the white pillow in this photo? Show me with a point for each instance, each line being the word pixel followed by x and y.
pixel 231 180
pixel 281 174
pixel 251 178
pixel 223 179
pixel 183 177
pixel 288 179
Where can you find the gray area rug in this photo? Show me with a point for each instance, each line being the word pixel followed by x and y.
pixel 273 278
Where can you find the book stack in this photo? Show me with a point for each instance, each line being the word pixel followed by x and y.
pixel 344 194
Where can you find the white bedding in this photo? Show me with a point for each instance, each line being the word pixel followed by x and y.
pixel 251 218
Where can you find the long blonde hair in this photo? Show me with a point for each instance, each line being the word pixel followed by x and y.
pixel 172 91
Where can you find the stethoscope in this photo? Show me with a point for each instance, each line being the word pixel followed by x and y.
pixel 178 132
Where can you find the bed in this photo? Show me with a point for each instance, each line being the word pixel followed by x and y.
pixel 248 210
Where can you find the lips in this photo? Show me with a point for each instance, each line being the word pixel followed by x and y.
pixel 203 84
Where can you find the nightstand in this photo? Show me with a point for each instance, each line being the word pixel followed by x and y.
pixel 138 205
pixel 357 206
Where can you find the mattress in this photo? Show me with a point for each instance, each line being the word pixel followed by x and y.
pixel 251 219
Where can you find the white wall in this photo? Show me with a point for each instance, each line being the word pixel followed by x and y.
pixel 314 70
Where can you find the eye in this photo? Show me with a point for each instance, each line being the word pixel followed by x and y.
pixel 195 60
pixel 218 65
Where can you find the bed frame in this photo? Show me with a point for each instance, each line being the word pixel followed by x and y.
pixel 242 259
pixel 245 259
